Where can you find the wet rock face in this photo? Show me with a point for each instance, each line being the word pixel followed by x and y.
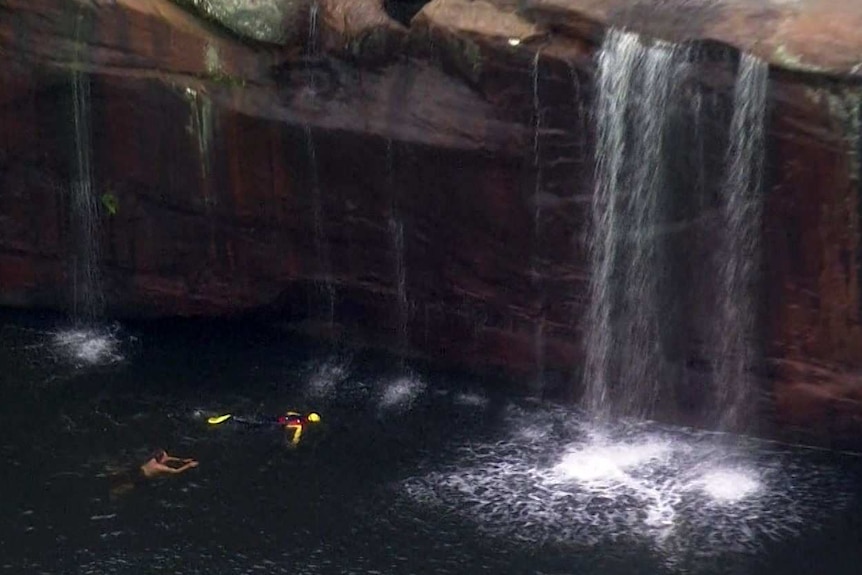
pixel 803 35
pixel 429 183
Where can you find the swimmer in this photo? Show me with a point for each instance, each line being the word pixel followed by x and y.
pixel 292 421
pixel 159 464
pixel 296 423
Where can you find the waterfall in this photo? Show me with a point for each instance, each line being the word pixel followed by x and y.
pixel 87 296
pixel 313 14
pixel 202 129
pixel 627 323
pixel 324 279
pixel 623 354
pixel 539 331
pixel 537 126
pixel 734 347
pixel 396 231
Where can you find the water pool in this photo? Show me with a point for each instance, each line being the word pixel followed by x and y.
pixel 411 471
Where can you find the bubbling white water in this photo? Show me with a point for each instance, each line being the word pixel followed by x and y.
pixel 324 381
pixel 87 346
pixel 602 462
pixel 729 484
pixel 684 493
pixel 402 393
pixel 470 400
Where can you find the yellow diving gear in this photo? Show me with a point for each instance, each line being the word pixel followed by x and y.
pixel 215 420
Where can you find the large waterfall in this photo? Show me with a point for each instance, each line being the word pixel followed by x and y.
pixel 639 98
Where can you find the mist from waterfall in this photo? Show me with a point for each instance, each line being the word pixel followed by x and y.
pixel 87 295
pixel 623 356
pixel 734 346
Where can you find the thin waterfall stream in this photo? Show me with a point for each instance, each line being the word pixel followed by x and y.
pixel 324 280
pixel 87 296
pixel 735 323
pixel 623 360
pixel 396 232
pixel 539 330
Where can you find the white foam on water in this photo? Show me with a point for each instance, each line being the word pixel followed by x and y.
pixel 402 393
pixel 325 379
pixel 87 346
pixel 729 484
pixel 684 493
pixel 470 399
pixel 606 461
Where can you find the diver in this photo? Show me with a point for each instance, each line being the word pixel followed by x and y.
pixel 292 421
pixel 160 464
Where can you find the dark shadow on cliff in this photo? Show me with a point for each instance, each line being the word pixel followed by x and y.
pixel 403 10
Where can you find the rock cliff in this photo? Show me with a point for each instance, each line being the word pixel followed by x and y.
pixel 423 186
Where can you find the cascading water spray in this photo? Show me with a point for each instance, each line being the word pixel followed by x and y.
pixel 624 357
pixel 734 328
pixel 85 343
pixel 615 68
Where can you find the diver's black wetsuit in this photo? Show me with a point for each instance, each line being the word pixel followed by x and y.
pixel 255 421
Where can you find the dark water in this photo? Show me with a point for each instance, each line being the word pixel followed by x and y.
pixel 421 472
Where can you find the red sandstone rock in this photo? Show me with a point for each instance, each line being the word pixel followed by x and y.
pixel 804 35
pixel 202 140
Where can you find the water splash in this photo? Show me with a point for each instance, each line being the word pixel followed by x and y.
pixel 87 347
pixel 324 381
pixel 624 357
pixel 729 484
pixel 739 254
pixel 401 394
pixel 555 479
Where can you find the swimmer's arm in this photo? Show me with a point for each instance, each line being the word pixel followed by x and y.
pixel 174 470
pixel 172 459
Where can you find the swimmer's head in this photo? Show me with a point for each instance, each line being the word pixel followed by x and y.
pixel 159 455
pixel 313 417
